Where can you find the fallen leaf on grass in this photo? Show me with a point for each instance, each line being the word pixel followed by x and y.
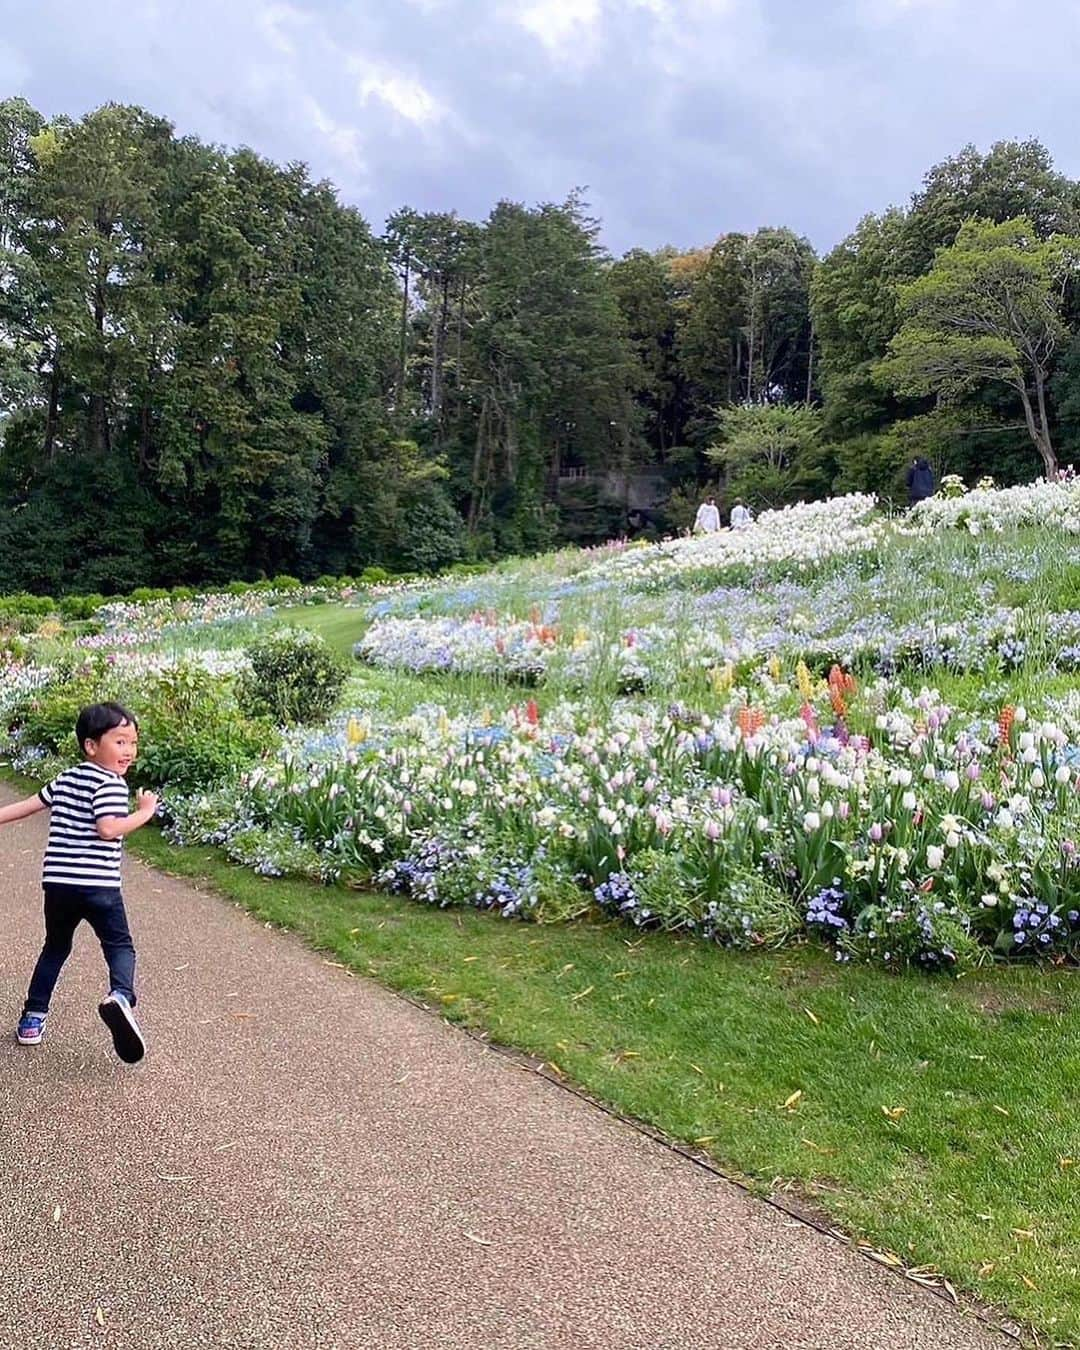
pixel 1027 1234
pixel 1001 1111
pixel 816 1020
pixel 894 1112
pixel 884 1258
pixel 1030 1283
pixel 584 993
pixel 818 1148
pixel 569 966
pixel 988 1268
pixel 620 975
pixel 1066 1163
pixel 466 959
pixel 554 1068
pixel 705 1139
pixel 627 1054
pixel 698 1069
pixel 793 1101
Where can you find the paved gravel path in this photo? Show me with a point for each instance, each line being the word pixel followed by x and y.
pixel 304 1160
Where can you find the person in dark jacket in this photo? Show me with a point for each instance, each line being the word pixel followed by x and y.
pixel 920 481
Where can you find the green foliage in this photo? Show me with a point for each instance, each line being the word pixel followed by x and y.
pixel 295 677
pixel 771 453
pixel 988 312
pixel 192 733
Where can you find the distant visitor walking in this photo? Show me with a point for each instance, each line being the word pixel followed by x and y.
pixel 920 481
pixel 707 520
pixel 740 516
pixel 91 815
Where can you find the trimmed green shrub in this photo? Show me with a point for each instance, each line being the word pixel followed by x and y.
pixel 295 677
pixel 80 606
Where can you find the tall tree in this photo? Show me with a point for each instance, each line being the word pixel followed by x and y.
pixel 988 312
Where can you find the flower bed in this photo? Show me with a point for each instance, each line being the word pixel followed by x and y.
pixel 930 841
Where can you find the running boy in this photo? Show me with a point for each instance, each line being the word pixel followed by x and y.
pixel 90 817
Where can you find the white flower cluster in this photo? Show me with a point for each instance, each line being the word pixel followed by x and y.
pixel 1048 505
pixel 806 535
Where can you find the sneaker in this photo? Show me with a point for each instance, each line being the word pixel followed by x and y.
pixel 31 1029
pixel 115 1012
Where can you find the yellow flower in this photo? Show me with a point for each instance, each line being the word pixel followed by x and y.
pixel 723 677
pixel 357 731
pixel 804 681
pixel 774 667
pixel 581 637
pixel 444 723
pixel 485 717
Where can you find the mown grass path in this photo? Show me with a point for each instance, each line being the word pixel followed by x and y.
pixel 306 1160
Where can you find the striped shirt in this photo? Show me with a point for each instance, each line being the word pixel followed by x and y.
pixel 76 855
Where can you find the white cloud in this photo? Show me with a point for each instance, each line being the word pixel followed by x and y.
pixel 343 140
pixel 564 27
pixel 13 68
pixel 405 95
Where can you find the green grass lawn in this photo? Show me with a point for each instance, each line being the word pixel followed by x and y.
pixel 338 624
pixel 936 1119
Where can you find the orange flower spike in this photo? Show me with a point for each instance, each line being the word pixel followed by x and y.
pixel 1005 724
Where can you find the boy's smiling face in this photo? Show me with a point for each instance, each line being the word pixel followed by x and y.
pixel 116 749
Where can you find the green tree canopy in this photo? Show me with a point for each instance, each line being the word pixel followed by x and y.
pixel 989 311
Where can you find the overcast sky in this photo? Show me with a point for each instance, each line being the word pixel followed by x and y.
pixel 683 118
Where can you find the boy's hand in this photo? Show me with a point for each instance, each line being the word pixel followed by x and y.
pixel 148 802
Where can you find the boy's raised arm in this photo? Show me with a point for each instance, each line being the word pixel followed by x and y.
pixel 29 806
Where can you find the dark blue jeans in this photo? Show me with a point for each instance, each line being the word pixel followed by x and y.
pixel 65 908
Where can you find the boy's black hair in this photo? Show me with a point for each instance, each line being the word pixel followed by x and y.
pixel 98 718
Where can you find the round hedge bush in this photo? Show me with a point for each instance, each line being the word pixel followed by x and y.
pixel 295 678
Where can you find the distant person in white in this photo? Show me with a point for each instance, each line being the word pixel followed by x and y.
pixel 740 516
pixel 707 520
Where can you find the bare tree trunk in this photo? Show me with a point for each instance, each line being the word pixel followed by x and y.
pixel 460 325
pixel 478 458
pixel 436 360
pixel 751 335
pixel 1038 432
pixel 52 417
pixel 400 400
pixel 810 368
pixel 1046 448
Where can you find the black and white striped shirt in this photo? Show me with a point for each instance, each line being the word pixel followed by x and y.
pixel 76 855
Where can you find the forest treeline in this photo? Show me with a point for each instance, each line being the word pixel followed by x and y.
pixel 211 369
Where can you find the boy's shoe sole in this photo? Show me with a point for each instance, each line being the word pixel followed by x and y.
pixel 127 1038
pixel 30 1040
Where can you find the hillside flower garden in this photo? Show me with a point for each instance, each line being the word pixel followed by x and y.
pixel 832 727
